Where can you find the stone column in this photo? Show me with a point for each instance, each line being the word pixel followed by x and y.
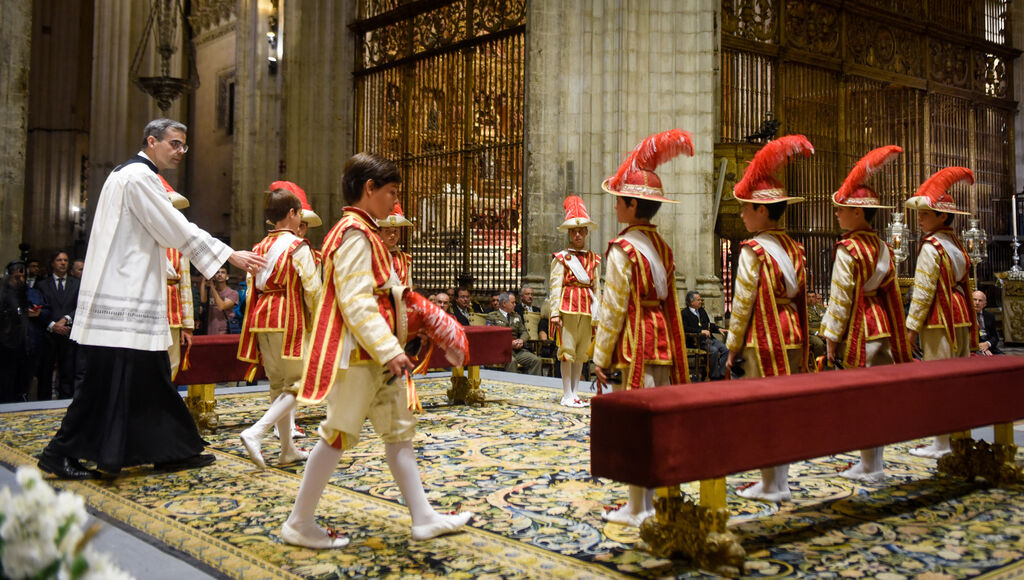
pixel 257 151
pixel 317 131
pixel 15 27
pixel 602 76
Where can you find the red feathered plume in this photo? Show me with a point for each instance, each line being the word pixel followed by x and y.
pixel 865 168
pixel 771 157
pixel 652 152
pixel 574 207
pixel 937 185
pixel 397 210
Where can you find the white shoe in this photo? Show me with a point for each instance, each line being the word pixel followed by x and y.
pixel 325 540
pixel 297 432
pixel 568 401
pixel 626 518
pixel 757 492
pixel 579 403
pixel 294 457
pixel 448 523
pixel 857 473
pixel 929 451
pixel 254 447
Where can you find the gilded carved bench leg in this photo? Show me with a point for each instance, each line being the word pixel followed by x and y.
pixel 696 531
pixel 202 404
pixel 466 391
pixel 995 462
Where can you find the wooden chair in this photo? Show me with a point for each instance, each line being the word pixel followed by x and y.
pixel 532 321
pixel 696 358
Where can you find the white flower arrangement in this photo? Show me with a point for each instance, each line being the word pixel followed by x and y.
pixel 42 535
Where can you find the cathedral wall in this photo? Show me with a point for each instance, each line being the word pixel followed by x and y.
pixel 15 27
pixel 601 76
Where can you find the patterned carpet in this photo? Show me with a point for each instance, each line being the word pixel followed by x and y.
pixel 521 464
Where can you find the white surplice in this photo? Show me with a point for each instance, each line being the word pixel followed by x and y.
pixel 123 297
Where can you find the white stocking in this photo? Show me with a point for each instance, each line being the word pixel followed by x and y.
pixel 322 462
pixel 577 370
pixel 873 459
pixel 281 408
pixel 568 385
pixel 402 462
pixel 776 479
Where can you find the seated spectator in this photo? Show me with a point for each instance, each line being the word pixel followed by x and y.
pixel 443 301
pixel 463 306
pixel 505 315
pixel 988 336
pixel 220 300
pixel 495 300
pixel 696 321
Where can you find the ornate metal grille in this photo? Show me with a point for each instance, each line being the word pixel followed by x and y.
pixel 440 90
pixel 855 76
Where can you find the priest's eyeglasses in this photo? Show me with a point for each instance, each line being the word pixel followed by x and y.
pixel 178 146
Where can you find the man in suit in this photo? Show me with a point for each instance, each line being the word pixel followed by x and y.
pixel 988 336
pixel 61 292
pixel 505 315
pixel 696 321
pixel 463 306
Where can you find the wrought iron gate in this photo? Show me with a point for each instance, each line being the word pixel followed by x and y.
pixel 440 90
pixel 929 75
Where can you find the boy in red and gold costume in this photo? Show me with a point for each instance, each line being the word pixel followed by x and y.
pixel 863 326
pixel 180 315
pixel 574 296
pixel 390 233
pixel 941 312
pixel 356 360
pixel 768 328
pixel 640 333
pixel 278 310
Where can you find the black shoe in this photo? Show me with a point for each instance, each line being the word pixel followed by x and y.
pixel 197 460
pixel 65 467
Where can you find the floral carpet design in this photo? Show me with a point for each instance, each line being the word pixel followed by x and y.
pixel 521 464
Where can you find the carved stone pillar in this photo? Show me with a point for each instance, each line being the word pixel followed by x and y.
pixel 317 130
pixel 603 76
pixel 15 26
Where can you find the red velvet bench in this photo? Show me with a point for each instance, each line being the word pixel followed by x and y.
pixel 213 359
pixel 665 436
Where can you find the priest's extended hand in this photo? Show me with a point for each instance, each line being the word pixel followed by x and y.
pixel 248 261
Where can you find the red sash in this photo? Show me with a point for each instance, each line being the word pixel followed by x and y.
pixel 653 330
pixel 877 314
pixel 576 296
pixel 328 323
pixel 777 322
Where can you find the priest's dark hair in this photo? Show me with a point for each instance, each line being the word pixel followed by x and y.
pixel 157 128
pixel 363 167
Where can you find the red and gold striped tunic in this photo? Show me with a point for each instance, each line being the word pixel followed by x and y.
pixel 350 291
pixel 568 294
pixel 179 291
pixel 940 297
pixel 764 317
pixel 279 307
pixel 637 328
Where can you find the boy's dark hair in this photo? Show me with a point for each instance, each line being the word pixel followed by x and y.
pixel 645 208
pixel 869 213
pixel 949 217
pixel 277 204
pixel 364 167
pixel 776 210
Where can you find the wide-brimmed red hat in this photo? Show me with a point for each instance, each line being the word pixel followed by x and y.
pixel 636 178
pixel 934 192
pixel 759 184
pixel 177 200
pixel 396 219
pixel 576 215
pixel 853 192
pixel 308 215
